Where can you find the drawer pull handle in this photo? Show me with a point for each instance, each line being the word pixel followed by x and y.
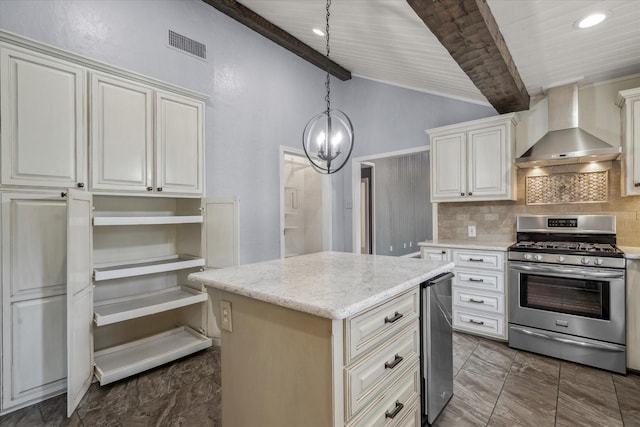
pixel 475 322
pixel 471 279
pixel 395 411
pixel 476 301
pixel 396 316
pixel 395 362
pixel 476 259
pixel 636 184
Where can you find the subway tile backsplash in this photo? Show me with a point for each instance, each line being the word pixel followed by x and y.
pixel 497 220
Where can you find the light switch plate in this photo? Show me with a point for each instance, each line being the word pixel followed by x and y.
pixel 225 314
pixel 472 231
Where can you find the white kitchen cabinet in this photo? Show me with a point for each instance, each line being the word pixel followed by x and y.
pixel 629 100
pixel 43 110
pixel 33 279
pixel 478 288
pixel 633 314
pixel 473 161
pixel 129 154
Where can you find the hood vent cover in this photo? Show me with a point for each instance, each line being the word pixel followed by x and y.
pixel 187 45
pixel 565 142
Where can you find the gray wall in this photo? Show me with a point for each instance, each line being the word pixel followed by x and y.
pixel 261 96
pixel 402 207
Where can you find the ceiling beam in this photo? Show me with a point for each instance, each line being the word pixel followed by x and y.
pixel 468 30
pixel 276 34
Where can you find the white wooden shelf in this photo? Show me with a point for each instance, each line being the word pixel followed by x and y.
pixel 178 262
pixel 116 363
pixel 147 220
pixel 126 308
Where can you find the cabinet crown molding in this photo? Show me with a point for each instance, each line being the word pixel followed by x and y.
pixel 94 65
pixel 513 117
pixel 623 95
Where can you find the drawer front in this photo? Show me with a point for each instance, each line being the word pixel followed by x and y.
pixel 434 254
pixel 370 375
pixel 479 259
pixel 413 417
pixel 486 324
pixel 367 330
pixel 484 280
pixel 394 403
pixel 478 301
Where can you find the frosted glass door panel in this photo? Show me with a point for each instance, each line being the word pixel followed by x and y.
pixel 179 146
pixel 122 135
pixel 44 125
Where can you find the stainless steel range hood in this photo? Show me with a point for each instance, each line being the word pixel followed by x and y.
pixel 565 142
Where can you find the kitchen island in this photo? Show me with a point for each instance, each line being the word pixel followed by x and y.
pixel 325 339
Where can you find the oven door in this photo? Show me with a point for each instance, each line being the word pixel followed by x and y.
pixel 581 301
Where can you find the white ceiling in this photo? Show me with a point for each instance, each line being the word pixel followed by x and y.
pixel 385 40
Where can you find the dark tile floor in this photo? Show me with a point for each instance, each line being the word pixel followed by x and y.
pixel 493 386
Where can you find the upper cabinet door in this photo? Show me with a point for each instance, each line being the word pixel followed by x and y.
pixel 448 166
pixel 121 135
pixel 488 162
pixel 179 144
pixel 79 297
pixel 629 100
pixel 43 120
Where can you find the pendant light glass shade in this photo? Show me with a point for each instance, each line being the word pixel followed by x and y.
pixel 328 141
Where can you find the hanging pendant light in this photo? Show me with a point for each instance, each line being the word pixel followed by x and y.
pixel 328 137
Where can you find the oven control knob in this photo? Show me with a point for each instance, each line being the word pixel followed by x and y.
pixel 538 257
pixel 598 261
pixel 561 258
pixel 527 256
pixel 585 260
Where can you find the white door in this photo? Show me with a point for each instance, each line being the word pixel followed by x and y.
pixel 488 167
pixel 448 167
pixel 79 298
pixel 179 144
pixel 43 120
pixel 121 135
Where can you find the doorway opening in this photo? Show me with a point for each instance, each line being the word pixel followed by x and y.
pixel 367 219
pixel 305 206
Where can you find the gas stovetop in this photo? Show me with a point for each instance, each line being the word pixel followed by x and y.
pixel 577 248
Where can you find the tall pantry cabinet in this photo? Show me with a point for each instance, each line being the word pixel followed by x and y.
pixel 94 278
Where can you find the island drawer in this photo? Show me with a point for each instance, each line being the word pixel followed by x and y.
pixel 484 280
pixel 486 323
pixel 493 303
pixel 393 405
pixel 369 377
pixel 369 329
pixel 479 259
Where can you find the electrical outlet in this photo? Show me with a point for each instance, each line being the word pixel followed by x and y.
pixel 472 231
pixel 225 313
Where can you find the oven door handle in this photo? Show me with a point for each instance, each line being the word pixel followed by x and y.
pixel 602 346
pixel 541 269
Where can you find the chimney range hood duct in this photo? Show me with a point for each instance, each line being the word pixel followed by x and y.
pixel 565 142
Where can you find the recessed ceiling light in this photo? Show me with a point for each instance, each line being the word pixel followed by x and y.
pixel 318 32
pixel 590 20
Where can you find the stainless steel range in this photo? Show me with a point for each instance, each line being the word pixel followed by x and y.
pixel 567 289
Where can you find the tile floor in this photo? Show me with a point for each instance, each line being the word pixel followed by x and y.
pixel 493 386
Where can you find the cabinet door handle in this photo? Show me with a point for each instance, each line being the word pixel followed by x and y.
pixel 476 259
pixel 395 411
pixel 475 322
pixel 390 365
pixel 63 194
pixel 159 188
pixel 443 252
pixel 396 316
pixel 471 279
pixel 476 301
pixel 80 185
pixel 636 184
pixel 462 194
pixel 149 188
pixel 470 193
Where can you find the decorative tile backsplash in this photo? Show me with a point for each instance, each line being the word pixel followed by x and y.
pixel 497 220
pixel 580 187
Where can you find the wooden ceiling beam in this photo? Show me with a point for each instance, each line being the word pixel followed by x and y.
pixel 276 34
pixel 468 30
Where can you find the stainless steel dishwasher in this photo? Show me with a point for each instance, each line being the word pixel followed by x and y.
pixel 436 349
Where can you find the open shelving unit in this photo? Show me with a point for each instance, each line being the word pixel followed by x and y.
pixel 145 311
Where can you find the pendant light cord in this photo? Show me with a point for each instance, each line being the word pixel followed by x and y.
pixel 327 83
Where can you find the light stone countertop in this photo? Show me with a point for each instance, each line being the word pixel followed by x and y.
pixel 333 285
pixel 630 252
pixel 468 244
